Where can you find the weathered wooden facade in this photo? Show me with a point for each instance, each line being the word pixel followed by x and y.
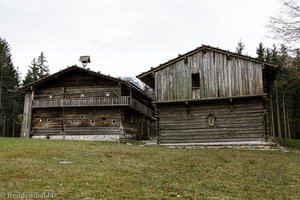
pixel 210 95
pixel 77 103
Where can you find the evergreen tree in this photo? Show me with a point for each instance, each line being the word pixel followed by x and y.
pixel 240 48
pixel 268 55
pixel 260 51
pixel 274 55
pixel 37 70
pixel 32 73
pixel 284 56
pixel 10 100
pixel 41 64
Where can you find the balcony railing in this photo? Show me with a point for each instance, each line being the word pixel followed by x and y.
pixel 101 101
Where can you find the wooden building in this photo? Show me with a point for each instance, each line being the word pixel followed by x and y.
pixel 77 103
pixel 209 95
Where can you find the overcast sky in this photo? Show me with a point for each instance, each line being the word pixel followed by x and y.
pixel 127 37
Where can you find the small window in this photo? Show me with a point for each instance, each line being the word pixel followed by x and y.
pixel 195 80
pixel 48 120
pixel 211 120
pixel 103 118
pixel 82 116
pixel 92 121
pixel 113 121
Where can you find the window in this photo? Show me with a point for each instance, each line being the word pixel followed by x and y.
pixel 48 120
pixel 195 80
pixel 211 120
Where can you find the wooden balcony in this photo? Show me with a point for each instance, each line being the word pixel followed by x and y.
pixel 101 101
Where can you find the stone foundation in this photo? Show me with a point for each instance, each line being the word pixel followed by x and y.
pixel 81 137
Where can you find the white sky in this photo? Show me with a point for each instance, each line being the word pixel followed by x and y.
pixel 127 37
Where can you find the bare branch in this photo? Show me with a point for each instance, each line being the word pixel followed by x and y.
pixel 286 26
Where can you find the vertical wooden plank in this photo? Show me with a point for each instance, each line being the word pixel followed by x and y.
pixel 229 79
pixel 240 77
pixel 206 76
pixel 27 116
pixel 226 85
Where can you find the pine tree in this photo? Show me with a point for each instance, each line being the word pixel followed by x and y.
pixel 37 70
pixel 260 51
pixel 268 55
pixel 32 73
pixel 240 48
pixel 41 64
pixel 274 55
pixel 10 100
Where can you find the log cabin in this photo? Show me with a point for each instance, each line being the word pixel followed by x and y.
pixel 77 103
pixel 210 96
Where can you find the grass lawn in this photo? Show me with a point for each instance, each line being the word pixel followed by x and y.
pixel 107 170
pixel 289 143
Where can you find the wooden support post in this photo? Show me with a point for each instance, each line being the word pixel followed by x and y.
pixel 148 129
pixel 27 116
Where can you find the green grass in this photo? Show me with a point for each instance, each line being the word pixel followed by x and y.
pixel 107 170
pixel 289 143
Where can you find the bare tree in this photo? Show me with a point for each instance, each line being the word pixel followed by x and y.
pixel 286 25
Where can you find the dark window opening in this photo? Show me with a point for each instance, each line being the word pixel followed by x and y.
pixel 81 116
pixel 211 120
pixel 103 118
pixel 195 80
pixel 113 122
pixel 93 122
pixel 48 119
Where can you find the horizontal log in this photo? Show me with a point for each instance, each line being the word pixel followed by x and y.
pixel 176 141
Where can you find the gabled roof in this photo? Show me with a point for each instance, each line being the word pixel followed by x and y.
pixel 75 67
pixel 146 76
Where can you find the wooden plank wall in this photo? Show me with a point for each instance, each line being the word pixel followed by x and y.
pixel 77 92
pixel 220 76
pixel 243 120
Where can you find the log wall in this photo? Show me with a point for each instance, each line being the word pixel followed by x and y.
pixel 72 121
pixel 241 120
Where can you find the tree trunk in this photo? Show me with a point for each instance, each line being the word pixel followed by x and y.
pixel 284 115
pixel 272 116
pixel 4 124
pixel 277 111
pixel 288 124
